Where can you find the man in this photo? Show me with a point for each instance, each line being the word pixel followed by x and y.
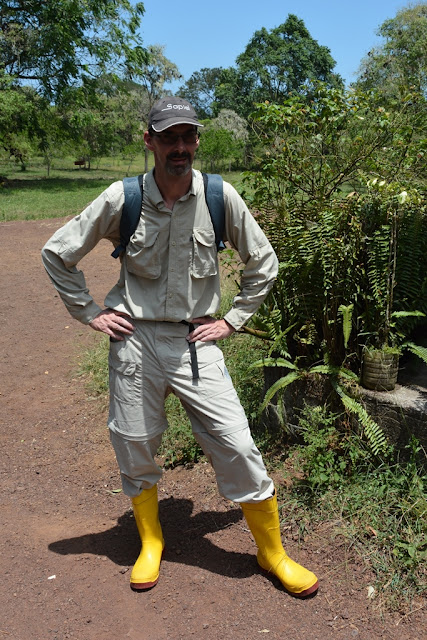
pixel 169 281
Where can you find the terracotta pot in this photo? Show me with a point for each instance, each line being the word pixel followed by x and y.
pixel 379 370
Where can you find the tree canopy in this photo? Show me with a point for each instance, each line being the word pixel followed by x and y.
pixel 274 64
pixel 399 65
pixel 200 90
pixel 282 60
pixel 57 43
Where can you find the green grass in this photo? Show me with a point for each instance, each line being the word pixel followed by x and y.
pixel 94 367
pixel 377 508
pixel 31 195
pixel 49 198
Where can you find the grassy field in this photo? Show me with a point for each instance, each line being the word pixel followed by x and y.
pixel 30 194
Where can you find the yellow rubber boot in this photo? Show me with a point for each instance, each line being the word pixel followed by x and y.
pixel 145 572
pixel 263 521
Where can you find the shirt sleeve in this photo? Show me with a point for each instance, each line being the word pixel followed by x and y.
pixel 61 254
pixel 261 265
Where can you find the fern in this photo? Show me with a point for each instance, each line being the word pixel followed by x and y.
pixel 417 350
pixel 334 372
pixel 411 272
pixel 373 432
pixel 378 259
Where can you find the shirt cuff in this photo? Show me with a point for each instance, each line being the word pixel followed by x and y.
pixel 87 314
pixel 236 318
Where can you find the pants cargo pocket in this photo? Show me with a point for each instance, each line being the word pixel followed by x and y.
pixel 125 380
pixel 214 377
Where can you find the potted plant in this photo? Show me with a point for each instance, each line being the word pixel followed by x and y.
pixel 395 277
pixel 380 368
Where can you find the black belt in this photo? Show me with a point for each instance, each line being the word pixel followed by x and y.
pixel 193 352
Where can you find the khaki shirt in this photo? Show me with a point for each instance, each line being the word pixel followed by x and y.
pixel 170 269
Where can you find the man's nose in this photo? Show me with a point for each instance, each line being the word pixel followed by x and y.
pixel 180 144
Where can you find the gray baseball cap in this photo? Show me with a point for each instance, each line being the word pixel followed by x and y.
pixel 170 111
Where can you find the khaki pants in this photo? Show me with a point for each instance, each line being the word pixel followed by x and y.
pixel 144 369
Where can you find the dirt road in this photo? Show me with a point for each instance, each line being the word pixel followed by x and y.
pixel 68 539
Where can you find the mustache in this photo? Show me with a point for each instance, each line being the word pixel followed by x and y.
pixel 178 155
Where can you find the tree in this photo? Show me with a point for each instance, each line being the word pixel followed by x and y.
pixel 231 121
pixel 51 136
pixel 17 114
pixel 399 65
pixel 274 64
pixel 57 43
pixel 223 139
pixel 200 90
pixel 215 146
pixel 234 91
pixel 94 131
pixel 313 150
pixel 155 73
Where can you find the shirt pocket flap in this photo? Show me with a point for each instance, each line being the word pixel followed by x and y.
pixel 205 259
pixel 147 240
pixel 206 237
pixel 142 255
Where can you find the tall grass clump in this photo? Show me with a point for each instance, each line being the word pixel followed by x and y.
pixel 93 368
pixel 379 507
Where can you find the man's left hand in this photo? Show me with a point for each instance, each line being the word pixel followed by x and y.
pixel 210 329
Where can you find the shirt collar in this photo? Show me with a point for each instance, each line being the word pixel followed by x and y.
pixel 154 194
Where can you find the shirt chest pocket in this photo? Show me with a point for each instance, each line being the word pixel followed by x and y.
pixel 143 255
pixel 204 258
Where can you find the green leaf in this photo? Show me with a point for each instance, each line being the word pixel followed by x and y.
pixel 279 385
pixel 417 350
pixel 273 362
pixel 347 312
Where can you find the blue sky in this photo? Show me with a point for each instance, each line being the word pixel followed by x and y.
pixel 213 34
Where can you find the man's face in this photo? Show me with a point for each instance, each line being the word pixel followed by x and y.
pixel 174 148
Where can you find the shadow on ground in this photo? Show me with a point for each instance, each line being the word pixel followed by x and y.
pixel 185 537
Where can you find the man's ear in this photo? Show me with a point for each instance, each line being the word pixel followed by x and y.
pixel 148 142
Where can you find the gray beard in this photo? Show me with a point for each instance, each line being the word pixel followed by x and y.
pixel 178 171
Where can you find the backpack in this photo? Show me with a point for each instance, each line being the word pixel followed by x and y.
pixel 133 202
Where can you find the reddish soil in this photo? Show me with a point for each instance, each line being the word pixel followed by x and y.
pixel 69 539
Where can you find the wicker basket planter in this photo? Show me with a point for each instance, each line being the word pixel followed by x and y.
pixel 379 369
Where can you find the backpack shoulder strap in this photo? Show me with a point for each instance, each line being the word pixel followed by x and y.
pixel 131 211
pixel 214 195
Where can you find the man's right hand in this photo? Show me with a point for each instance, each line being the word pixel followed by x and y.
pixel 113 323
